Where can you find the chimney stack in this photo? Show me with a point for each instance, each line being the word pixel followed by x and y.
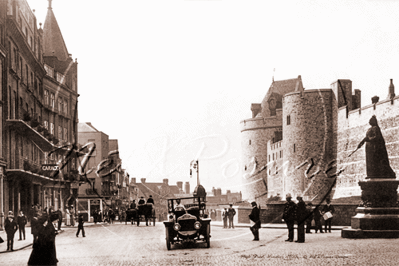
pixel 179 184
pixel 187 188
pixel 165 181
pixel 133 180
pixel 143 180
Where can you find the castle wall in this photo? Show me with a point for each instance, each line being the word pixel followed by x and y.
pixel 308 135
pixel 255 133
pixel 351 130
pixel 275 182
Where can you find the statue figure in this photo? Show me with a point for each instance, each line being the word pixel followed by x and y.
pixel 377 161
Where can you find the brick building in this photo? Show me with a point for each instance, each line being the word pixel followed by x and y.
pixel 39 97
pixel 107 184
pixel 319 128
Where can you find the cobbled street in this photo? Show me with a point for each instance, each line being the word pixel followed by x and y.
pixel 121 244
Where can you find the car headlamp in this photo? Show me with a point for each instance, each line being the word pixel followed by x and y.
pixel 197 225
pixel 176 226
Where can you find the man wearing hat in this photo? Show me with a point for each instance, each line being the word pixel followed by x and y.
pixel 231 212
pixel 301 214
pixel 289 216
pixel 255 217
pixel 10 226
pixel 141 201
pixel 150 200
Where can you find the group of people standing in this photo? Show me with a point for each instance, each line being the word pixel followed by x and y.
pixel 228 214
pixel 11 226
pixel 303 213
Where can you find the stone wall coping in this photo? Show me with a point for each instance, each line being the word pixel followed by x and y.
pixel 307 91
pixel 369 105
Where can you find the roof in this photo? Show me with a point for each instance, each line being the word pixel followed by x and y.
pixel 53 42
pixel 278 89
pixel 86 127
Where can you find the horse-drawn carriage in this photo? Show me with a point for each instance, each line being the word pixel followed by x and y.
pixel 144 212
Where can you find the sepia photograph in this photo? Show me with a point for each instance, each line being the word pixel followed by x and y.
pixel 199 132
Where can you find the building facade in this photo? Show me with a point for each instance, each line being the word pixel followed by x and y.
pixel 320 128
pixel 39 98
pixel 107 184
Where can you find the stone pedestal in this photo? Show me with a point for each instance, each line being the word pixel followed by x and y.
pixel 378 215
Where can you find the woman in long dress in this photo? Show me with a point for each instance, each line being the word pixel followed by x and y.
pixel 43 252
pixel 377 161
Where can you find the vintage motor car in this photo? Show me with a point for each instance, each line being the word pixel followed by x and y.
pixel 187 221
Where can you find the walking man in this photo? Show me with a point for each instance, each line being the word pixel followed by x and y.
pixel 301 218
pixel 231 214
pixel 317 217
pixel 289 216
pixel 10 226
pixel 80 226
pixel 255 217
pixel 21 221
pixel 224 215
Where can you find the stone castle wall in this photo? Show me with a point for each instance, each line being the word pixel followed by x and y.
pixel 352 128
pixel 255 134
pixel 308 140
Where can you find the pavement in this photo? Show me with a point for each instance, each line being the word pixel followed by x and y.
pixel 27 242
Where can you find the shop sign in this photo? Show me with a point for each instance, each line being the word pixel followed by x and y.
pixel 50 167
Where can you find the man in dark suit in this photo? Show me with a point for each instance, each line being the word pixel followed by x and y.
pixel 309 219
pixel 301 215
pixel 255 217
pixel 231 212
pixel 80 226
pixel 328 208
pixel 289 216
pixel 133 205
pixel 10 226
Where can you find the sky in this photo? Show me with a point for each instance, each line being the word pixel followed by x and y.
pixel 171 80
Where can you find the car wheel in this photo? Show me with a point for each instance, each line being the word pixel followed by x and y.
pixel 207 237
pixel 167 239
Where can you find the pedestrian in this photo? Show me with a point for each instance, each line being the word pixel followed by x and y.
pixel 72 216
pixel 255 217
pixel 10 226
pixel 309 218
pixel 21 221
pixel 301 215
pixel 224 215
pixel 317 218
pixel 111 215
pixel 328 211
pixel 43 251
pixel 289 216
pixel 59 212
pixel 80 226
pixel 231 212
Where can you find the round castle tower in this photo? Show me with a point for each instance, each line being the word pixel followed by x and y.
pixel 308 143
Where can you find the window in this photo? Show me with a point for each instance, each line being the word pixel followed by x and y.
pixel 59 104
pixel 46 99
pixel 65 106
pixel 281 154
pixel 52 128
pixel 65 134
pixel 294 148
pixel 46 124
pixel 288 120
pixel 52 100
pixel 249 142
pixel 59 132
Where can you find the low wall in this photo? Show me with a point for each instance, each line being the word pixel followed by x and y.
pixel 272 213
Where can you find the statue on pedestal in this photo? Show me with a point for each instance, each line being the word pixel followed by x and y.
pixel 377 161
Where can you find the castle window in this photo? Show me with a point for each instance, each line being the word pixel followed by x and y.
pixel 269 157
pixel 273 156
pixel 281 154
pixel 288 119
pixel 249 142
pixel 294 147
